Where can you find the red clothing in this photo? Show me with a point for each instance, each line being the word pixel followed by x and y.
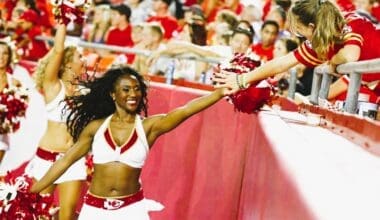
pixel 376 12
pixel 266 9
pixel 373 96
pixel 346 5
pixel 35 49
pixel 121 38
pixel 359 31
pixel 9 6
pixel 265 54
pixel 169 23
pixel 44 13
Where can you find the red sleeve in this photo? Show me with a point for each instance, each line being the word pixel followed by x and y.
pixel 355 26
pixel 306 55
pixel 353 39
pixel 170 25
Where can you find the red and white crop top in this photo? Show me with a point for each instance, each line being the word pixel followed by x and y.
pixel 132 153
pixel 55 107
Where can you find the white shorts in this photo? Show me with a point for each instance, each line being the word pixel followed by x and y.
pixel 38 167
pixel 135 211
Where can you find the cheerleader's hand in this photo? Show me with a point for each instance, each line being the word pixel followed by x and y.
pixel 225 79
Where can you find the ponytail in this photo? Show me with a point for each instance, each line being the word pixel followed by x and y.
pixel 328 22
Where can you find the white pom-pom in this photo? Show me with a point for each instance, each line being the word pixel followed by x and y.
pixel 7 192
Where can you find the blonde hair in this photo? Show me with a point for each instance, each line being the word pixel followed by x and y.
pixel 103 25
pixel 39 73
pixel 156 28
pixel 328 21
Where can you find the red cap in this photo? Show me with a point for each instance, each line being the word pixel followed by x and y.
pixel 29 15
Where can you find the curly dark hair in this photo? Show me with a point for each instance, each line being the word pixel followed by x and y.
pixel 96 101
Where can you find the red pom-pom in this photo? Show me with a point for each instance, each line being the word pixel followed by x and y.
pixel 13 104
pixel 22 204
pixel 67 11
pixel 252 99
pixel 256 95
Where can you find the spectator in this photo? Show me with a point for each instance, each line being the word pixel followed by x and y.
pixel 152 41
pixel 221 29
pixel 349 38
pixel 140 10
pixel 368 8
pixel 278 15
pixel 97 29
pixel 252 14
pixel 162 15
pixel 120 32
pixel 269 33
pixel 29 48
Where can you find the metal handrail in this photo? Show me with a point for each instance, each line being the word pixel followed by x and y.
pixel 322 80
pixel 129 50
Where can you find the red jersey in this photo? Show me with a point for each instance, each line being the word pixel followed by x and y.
pixel 169 24
pixel 265 54
pixel 121 38
pixel 358 31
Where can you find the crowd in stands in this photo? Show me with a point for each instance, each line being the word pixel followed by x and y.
pixel 208 28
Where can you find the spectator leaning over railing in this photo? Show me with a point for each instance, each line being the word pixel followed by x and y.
pixel 331 38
